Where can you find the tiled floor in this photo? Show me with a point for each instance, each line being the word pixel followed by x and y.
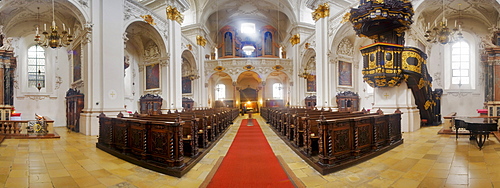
pixel 425 159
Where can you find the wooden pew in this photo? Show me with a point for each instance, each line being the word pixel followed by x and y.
pixel 351 138
pixel 189 132
pixel 142 138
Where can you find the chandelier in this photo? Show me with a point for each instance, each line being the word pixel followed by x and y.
pixel 248 47
pixel 54 39
pixel 442 33
pixel 305 74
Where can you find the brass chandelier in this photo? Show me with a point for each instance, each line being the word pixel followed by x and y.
pixel 442 33
pixel 54 39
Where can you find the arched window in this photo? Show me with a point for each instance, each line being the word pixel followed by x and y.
pixel 278 91
pixel 220 91
pixel 460 63
pixel 36 67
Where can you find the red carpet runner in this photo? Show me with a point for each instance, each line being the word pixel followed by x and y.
pixel 250 162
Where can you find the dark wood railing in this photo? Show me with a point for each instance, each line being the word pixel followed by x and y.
pixel 27 128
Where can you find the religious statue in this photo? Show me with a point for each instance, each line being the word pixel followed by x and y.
pixel 7 45
pixel 486 43
pixel 151 51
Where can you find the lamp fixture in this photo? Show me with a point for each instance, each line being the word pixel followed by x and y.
pixel 38 73
pixel 248 48
pixel 193 75
pixel 305 74
pixel 442 33
pixel 54 39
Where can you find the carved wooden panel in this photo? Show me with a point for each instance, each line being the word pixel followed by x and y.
pixel 120 135
pixel 150 104
pixel 105 131
pixel 137 138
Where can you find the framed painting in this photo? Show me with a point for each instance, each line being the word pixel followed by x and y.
pixel 311 83
pixel 77 63
pixel 186 85
pixel 152 76
pixel 345 73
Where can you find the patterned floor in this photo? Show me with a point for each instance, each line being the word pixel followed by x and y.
pixel 425 159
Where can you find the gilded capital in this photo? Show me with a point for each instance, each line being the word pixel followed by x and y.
pixel 322 11
pixel 200 40
pixel 295 39
pixel 174 14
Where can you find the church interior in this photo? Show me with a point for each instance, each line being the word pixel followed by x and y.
pixel 349 93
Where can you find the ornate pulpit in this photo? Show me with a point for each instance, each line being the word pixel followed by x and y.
pixel 387 63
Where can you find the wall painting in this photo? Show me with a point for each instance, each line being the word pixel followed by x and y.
pixel 186 85
pixel 311 83
pixel 77 63
pixel 345 73
pixel 152 76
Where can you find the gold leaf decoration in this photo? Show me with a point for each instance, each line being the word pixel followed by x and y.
pixel 248 67
pixel 219 68
pixel 200 40
pixel 149 19
pixel 278 67
pixel 295 39
pixel 322 11
pixel 174 14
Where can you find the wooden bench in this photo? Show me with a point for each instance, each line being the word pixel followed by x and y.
pixel 169 143
pixel 331 141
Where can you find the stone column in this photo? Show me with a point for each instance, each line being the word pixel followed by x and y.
pixel 172 89
pixel 104 64
pixel 297 83
pixel 323 84
pixel 388 99
pixel 201 94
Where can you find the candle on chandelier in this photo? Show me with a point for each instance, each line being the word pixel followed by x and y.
pixel 64 27
pixel 37 30
pixel 44 27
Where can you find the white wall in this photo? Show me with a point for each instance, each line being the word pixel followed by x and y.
pixel 49 101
